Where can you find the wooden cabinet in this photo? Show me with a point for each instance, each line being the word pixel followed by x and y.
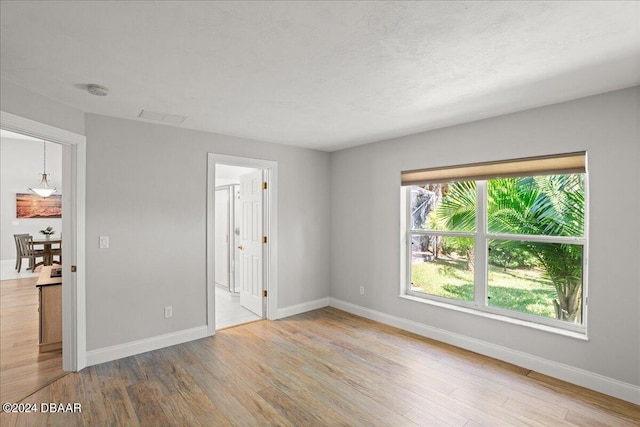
pixel 50 308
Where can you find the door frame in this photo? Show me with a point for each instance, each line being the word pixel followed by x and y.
pixel 270 222
pixel 74 344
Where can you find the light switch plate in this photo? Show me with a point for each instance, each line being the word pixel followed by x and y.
pixel 104 242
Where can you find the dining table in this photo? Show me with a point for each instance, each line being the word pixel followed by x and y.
pixel 47 244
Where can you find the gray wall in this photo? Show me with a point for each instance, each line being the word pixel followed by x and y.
pixel 365 230
pixel 21 166
pixel 146 189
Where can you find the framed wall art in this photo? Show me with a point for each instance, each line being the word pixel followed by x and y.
pixel 34 206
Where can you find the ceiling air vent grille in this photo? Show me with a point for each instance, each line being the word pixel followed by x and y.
pixel 161 117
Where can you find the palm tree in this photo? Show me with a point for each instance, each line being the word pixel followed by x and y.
pixel 459 206
pixel 550 205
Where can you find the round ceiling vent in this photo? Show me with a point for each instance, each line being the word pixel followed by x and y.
pixel 97 90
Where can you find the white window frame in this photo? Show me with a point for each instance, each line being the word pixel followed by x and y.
pixel 479 305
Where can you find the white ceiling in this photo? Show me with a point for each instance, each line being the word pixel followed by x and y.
pixel 324 75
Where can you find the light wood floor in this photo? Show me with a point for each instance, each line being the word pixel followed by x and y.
pixel 322 368
pixel 23 369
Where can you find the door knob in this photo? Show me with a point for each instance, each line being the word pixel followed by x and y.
pixel 240 247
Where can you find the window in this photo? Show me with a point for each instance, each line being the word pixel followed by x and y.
pixel 507 238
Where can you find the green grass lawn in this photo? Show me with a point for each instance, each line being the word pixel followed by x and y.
pixel 523 290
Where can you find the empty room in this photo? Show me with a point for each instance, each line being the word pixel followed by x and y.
pixel 319 213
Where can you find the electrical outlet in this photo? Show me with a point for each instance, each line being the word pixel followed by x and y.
pixel 361 290
pixel 168 312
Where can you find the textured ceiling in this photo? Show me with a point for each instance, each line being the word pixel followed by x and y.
pixel 324 75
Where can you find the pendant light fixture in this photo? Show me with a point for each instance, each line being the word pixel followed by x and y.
pixel 44 189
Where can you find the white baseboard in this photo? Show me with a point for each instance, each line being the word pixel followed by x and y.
pixel 119 351
pixel 581 377
pixel 301 308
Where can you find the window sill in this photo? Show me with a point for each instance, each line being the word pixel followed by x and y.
pixel 476 312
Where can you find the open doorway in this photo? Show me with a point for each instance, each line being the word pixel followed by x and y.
pixel 241 240
pixel 30 311
pixel 72 179
pixel 238 297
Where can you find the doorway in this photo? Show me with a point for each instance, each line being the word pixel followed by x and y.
pixel 28 362
pixel 73 228
pixel 241 271
pixel 237 302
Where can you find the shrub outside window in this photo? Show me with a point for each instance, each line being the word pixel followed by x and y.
pixel 511 245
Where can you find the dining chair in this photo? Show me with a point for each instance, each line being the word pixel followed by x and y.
pixel 19 252
pixel 57 252
pixel 29 251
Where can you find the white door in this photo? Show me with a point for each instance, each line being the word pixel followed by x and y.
pixel 249 250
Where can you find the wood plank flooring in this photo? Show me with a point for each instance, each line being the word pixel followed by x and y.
pixel 23 369
pixel 322 368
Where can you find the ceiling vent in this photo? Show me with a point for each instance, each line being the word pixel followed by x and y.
pixel 161 117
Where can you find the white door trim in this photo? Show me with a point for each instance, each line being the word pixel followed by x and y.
pixel 74 344
pixel 270 275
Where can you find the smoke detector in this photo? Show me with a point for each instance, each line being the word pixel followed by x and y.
pixel 97 90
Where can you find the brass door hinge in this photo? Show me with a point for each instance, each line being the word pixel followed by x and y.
pixel 74 268
pixel 264 293
pixel 264 239
pixel 264 185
